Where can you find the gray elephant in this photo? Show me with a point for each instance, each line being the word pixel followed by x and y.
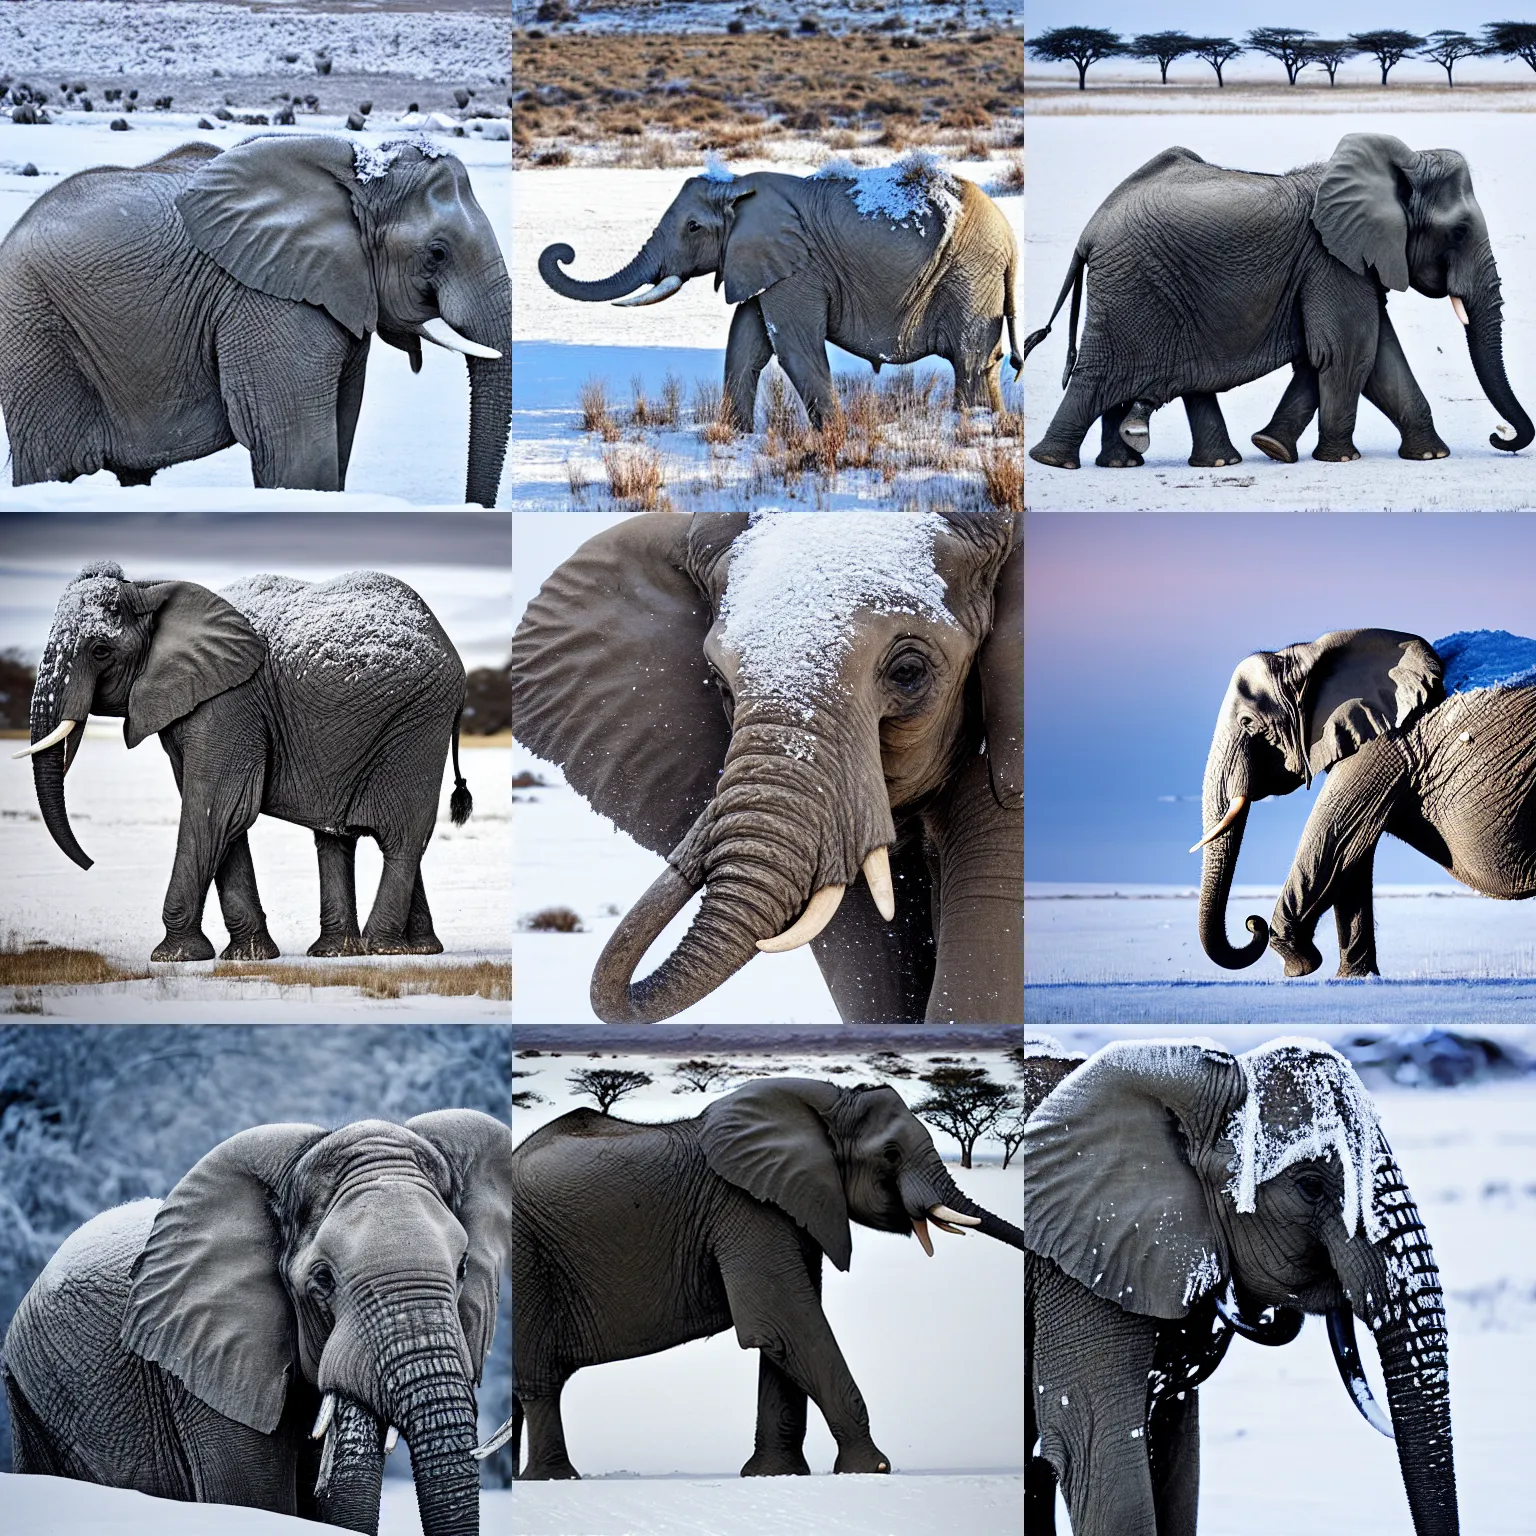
pixel 1202 278
pixel 157 313
pixel 892 265
pixel 345 1280
pixel 1429 743
pixel 776 706
pixel 329 704
pixel 631 1239
pixel 1176 1195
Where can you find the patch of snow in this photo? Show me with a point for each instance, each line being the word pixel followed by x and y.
pixel 1045 1045
pixel 371 162
pixel 1204 1275
pixel 715 168
pixel 900 192
pixel 90 608
pixel 1486 658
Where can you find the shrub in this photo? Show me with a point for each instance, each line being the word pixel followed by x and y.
pixel 593 399
pixel 1002 473
pixel 552 920
pixel 635 476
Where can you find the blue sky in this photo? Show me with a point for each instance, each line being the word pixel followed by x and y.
pixel 1133 624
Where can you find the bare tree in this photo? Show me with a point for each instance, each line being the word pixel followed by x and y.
pixel 965 1103
pixel 700 1074
pixel 1517 38
pixel 1330 53
pixel 1448 49
pixel 1081 46
pixel 1388 47
pixel 1164 47
pixel 1218 52
pixel 1010 1131
pixel 605 1086
pixel 1288 45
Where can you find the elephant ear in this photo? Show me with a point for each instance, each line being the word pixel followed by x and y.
pixel 207 1300
pixel 1113 1197
pixel 609 680
pixel 277 215
pixel 770 1138
pixel 202 645
pixel 1358 209
pixel 478 1150
pixel 1360 684
pixel 765 242
pixel 1000 666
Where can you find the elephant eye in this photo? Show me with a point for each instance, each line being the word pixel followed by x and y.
pixel 463 1266
pixel 908 673
pixel 322 1282
pixel 101 651
pixel 437 251
pixel 892 1155
pixel 694 227
pixel 1312 1186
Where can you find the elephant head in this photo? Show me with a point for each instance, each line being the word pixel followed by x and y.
pixel 388 240
pixel 151 651
pixel 1159 1173
pixel 1412 216
pixel 1288 715
pixel 361 1264
pixel 755 699
pixel 745 229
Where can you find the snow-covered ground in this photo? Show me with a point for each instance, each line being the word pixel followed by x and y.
pixel 413 433
pixel 1077 160
pixel 760 16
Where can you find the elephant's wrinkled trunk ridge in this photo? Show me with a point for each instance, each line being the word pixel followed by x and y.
pixel 48 785
pixel 1225 804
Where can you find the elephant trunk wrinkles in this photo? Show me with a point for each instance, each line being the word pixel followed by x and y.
pixel 431 1403
pixel 490 419
pixel 352 1468
pixel 643 269
pixel 991 1226
pixel 1219 863
pixel 1485 342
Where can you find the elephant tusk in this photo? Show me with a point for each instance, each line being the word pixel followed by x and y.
pixel 920 1227
pixel 663 290
pixel 324 1417
pixel 52 739
pixel 1346 1355
pixel 494 1444
pixel 438 330
pixel 944 1226
pixel 1221 826
pixel 1461 310
pixel 943 1213
pixel 818 913
pixel 391 1439
pixel 877 876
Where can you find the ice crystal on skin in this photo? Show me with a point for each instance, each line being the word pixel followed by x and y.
pixel 715 168
pixel 903 192
pixel 1204 1276
pixel 1047 1046
pixel 369 163
pixel 88 609
pixel 1486 658
pixel 798 580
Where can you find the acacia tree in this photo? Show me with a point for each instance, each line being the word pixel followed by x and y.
pixel 964 1102
pixel 1388 47
pixel 700 1074
pixel 1516 38
pixel 605 1086
pixel 1330 54
pixel 1288 45
pixel 1165 47
pixel 1010 1131
pixel 1448 49
pixel 1081 46
pixel 1218 52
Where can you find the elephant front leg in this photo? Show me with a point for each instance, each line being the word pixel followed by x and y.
pixel 349 404
pixel 336 855
pixel 779 1449
pixel 747 352
pixel 547 1456
pixel 1394 391
pixel 1354 917
pixel 1210 446
pixel 241 906
pixel 213 815
pixel 797 330
pixel 1293 415
pixel 1173 1449
pixel 1115 448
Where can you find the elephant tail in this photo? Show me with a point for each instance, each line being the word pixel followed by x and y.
pixel 462 802
pixel 1074 286
pixel 1010 312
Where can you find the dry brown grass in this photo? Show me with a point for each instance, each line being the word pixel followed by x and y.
pixel 1002 473
pixel 470 978
pixel 1012 177
pixel 39 964
pixel 552 920
pixel 596 416
pixel 635 476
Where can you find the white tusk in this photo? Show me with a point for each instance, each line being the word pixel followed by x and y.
pixel 663 290
pixel 1503 429
pixel 943 1213
pixel 877 876
pixel 444 335
pixel 944 1226
pixel 391 1439
pixel 818 913
pixel 64 727
pixel 920 1227
pixel 1461 310
pixel 495 1443
pixel 1222 825
pixel 323 1418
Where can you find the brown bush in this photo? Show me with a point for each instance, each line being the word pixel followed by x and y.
pixel 472 978
pixel 552 920
pixel 40 964
pixel 593 400
pixel 635 476
pixel 1002 473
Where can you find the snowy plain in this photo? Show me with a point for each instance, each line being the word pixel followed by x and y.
pixel 1076 160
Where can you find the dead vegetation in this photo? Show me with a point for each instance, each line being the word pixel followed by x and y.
pixel 552 920
pixel 490 979
pixel 36 963
pixel 635 476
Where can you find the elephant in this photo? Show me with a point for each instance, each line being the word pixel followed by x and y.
pixel 892 265
pixel 630 1239
pixel 1176 1195
pixel 343 1279
pixel 778 704
pixel 1202 278
pixel 328 704
pixel 1427 742
pixel 157 313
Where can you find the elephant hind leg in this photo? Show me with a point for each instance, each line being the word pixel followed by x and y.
pixel 400 922
pixel 32 1447
pixel 1292 415
pixel 336 854
pixel 547 1456
pixel 419 935
pixel 241 906
pixel 1114 451
pixel 1210 446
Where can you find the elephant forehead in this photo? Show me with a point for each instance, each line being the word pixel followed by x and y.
pixel 797 580
pixel 89 609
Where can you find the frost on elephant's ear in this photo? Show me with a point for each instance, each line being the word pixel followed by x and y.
pixel 1305 1101
pixel 370 162
pixel 715 168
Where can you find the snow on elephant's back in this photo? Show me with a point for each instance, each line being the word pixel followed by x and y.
pixel 1486 658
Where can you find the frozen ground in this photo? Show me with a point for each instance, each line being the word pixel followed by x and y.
pixel 760 16
pixel 605 215
pixel 413 433
pixel 1064 196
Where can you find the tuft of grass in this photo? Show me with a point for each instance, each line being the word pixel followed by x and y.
pixel 671 401
pixel 595 413
pixel 1010 180
pixel 635 476
pixel 470 978
pixel 1002 473
pixel 526 779
pixel 552 920
pixel 576 476
pixel 40 964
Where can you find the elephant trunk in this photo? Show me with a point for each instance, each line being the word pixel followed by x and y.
pixel 351 1467
pixel 431 1402
pixel 1485 342
pixel 48 784
pixel 644 269
pixel 55 680
pixel 1225 807
pixel 936 1181
pixel 480 308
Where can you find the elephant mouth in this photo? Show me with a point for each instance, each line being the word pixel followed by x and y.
pixel 946 1220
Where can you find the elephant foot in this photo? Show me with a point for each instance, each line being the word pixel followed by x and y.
pixel 1359 970
pixel 1231 456
pixel 554 1471
pixel 1278 448
pixel 777 1464
pixel 1424 448
pixel 1126 458
pixel 332 946
pixel 255 946
pixel 194 946
pixel 431 945
pixel 1301 956
pixel 1056 459
pixel 1346 454
pixel 863 1458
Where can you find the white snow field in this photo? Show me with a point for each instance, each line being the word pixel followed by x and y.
pixel 1076 160
pixel 413 433
pixel 558 343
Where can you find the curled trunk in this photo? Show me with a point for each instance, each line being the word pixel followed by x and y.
pixel 1485 342
pixel 644 269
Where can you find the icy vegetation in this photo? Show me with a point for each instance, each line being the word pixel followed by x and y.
pixel 1486 658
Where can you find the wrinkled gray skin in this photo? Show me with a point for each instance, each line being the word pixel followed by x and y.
pixel 336 716
pixel 1202 278
pixel 182 1348
pixel 1107 1156
pixel 1451 777
pixel 157 313
pixel 804 266
pixel 764 799
pixel 634 1238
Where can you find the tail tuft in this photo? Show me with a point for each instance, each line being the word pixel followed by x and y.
pixel 1031 341
pixel 461 803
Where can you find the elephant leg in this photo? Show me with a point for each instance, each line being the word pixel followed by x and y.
pixel 385 931
pixel 1355 919
pixel 747 353
pixel 1347 822
pixel 779 1450
pixel 1173 1450
pixel 241 905
pixel 336 855
pixel 1394 391
pixel 1069 426
pixel 547 1457
pixel 1338 386
pixel 1292 416
pixel 1114 451
pixel 420 938
pixel 797 329
pixel 32 1444
pixel 349 403
pixel 130 476
pixel 1210 446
